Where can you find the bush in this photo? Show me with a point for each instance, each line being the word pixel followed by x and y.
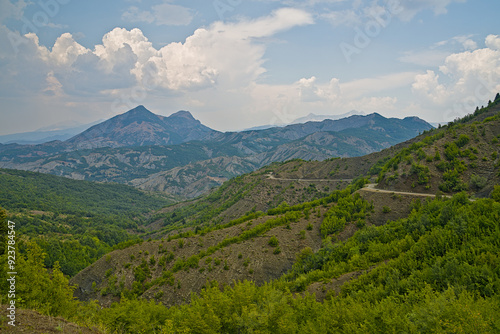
pixel 386 209
pixel 452 182
pixel 451 151
pixel 477 182
pixel 422 173
pixel 462 140
pixel 273 242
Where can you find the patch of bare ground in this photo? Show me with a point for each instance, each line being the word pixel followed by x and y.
pixel 32 322
pixel 388 206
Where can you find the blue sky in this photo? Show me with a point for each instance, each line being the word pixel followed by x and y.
pixel 241 63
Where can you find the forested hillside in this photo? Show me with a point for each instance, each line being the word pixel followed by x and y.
pixel 435 271
pixel 75 222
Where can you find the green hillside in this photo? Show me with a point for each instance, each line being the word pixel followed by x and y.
pixel 21 191
pixel 75 222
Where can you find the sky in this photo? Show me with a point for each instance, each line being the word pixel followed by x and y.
pixel 236 64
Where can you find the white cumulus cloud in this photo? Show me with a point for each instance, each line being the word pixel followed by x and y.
pixel 227 55
pixel 493 42
pixel 465 80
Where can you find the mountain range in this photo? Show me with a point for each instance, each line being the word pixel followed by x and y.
pixel 167 154
pixel 59 132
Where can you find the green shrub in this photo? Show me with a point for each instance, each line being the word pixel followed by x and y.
pixel 422 173
pixel 477 182
pixel 452 182
pixel 462 140
pixel 273 242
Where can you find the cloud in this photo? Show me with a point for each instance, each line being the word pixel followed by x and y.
pixel 437 53
pixel 425 58
pixel 427 86
pixel 162 14
pixel 368 10
pixel 465 80
pixel 493 42
pixel 134 14
pixel 167 14
pixel 66 50
pixel 342 17
pixel 464 40
pixel 368 86
pixel 12 10
pixel 228 56
pixel 409 8
pixel 281 104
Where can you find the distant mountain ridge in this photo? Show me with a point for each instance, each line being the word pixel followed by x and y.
pixel 309 118
pixel 141 127
pixel 319 118
pixel 179 155
pixel 45 135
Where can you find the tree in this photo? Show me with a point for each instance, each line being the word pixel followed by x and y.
pixel 38 289
pixel 495 194
pixel 497 97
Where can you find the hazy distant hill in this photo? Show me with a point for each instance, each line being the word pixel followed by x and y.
pixel 319 118
pixel 45 135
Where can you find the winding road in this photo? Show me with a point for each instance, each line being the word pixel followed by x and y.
pixel 368 187
pixel 371 187
pixel 272 177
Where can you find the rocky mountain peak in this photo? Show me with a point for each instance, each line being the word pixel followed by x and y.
pixel 182 114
